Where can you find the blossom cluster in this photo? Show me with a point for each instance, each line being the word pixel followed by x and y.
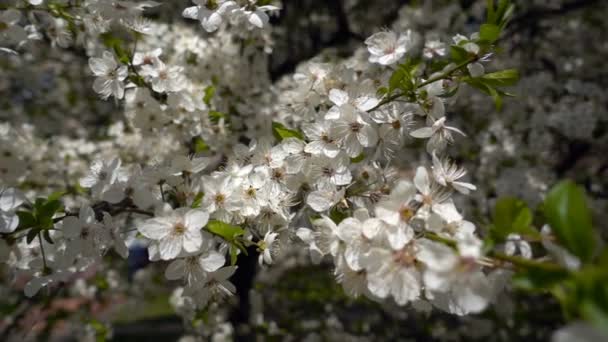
pixel 211 161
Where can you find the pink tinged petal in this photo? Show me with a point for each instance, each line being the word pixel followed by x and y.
pixel 388 59
pixel 422 133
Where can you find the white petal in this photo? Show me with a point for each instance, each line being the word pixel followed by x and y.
pixel 196 219
pixel 71 227
pixel 155 229
pixel 213 261
pixel 169 247
pixel 338 97
pixel 422 181
pixel 190 12
pixel 176 269
pixel 422 133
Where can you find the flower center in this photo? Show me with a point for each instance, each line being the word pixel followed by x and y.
pixel 179 229
pixel 219 199
pixel 406 256
pixel 406 213
pixel 355 127
pixel 103 175
pixel 328 172
pixel 277 174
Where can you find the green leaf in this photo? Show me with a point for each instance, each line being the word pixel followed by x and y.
pixel 56 195
pixel 49 209
pixel 31 235
pixel 234 253
pixel 45 211
pixel 496 97
pixel 491 13
pixel 481 84
pixel 358 158
pixel 503 78
pixel 26 220
pixel 215 116
pixel 537 279
pixel 566 211
pixel 209 92
pixel 281 132
pixel 199 145
pixel 489 33
pixel 459 54
pixel 337 215
pixel 47 236
pixel 225 230
pixel 116 44
pixel 198 199
pixel 511 215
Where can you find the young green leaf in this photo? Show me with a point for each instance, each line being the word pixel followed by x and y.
pixel 225 230
pixel 511 215
pixel 503 78
pixel 489 33
pixel 31 235
pixel 26 220
pixel 209 92
pixel 281 132
pixel 566 211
